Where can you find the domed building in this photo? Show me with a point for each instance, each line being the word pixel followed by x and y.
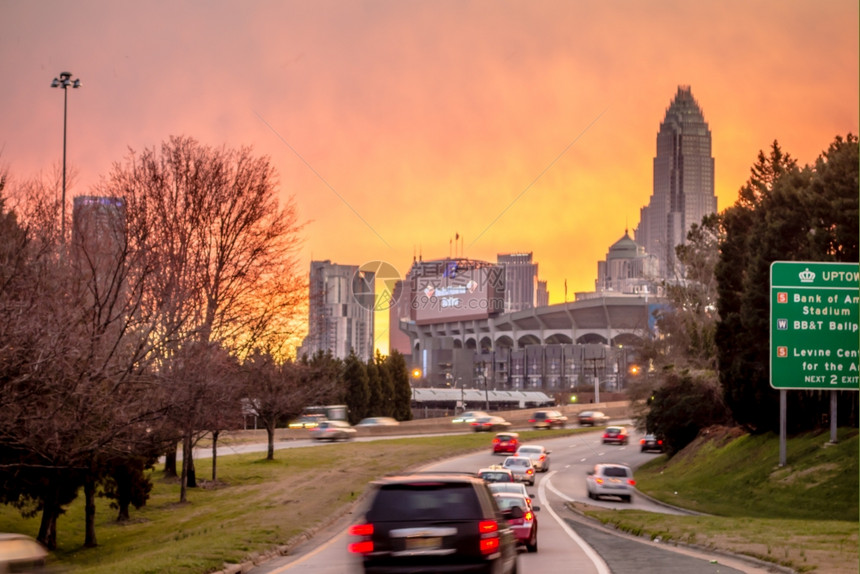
pixel 627 269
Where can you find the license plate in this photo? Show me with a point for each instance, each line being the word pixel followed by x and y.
pixel 423 543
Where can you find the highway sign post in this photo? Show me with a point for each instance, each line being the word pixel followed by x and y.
pixel 814 331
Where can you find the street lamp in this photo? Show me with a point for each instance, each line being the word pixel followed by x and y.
pixel 64 81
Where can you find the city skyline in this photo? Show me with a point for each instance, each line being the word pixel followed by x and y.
pixel 396 126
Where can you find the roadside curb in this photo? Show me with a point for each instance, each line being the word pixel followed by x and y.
pixel 671 506
pixel 760 565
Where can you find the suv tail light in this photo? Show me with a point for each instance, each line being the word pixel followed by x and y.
pixel 364 546
pixel 531 420
pixel 631 482
pixel 489 530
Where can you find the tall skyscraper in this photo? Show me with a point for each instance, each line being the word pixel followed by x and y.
pixel 340 311
pixel 683 181
pixel 521 281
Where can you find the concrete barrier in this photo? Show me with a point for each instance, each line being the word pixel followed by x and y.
pixel 518 419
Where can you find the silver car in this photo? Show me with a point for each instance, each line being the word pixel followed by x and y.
pixel 610 480
pixel 522 469
pixel 333 430
pixel 539 456
pixel 378 422
pixel 20 553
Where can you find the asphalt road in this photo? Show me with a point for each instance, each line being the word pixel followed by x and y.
pixel 568 542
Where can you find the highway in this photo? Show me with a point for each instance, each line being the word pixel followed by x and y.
pixel 567 542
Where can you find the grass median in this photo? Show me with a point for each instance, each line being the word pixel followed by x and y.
pixel 803 515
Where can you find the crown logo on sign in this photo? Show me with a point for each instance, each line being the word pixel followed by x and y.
pixel 806 276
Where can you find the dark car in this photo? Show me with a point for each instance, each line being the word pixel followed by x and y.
pixel 548 420
pixel 592 418
pixel 506 443
pixel 434 522
pixel 651 442
pixel 489 424
pixel 615 435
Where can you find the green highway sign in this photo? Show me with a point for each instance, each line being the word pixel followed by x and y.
pixel 814 325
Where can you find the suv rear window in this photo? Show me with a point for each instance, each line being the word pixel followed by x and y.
pixel 491 476
pixel 425 501
pixel 615 471
pixel 540 415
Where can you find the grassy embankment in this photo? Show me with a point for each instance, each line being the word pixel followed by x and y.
pixel 804 515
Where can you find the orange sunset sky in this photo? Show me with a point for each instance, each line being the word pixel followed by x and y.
pixel 520 125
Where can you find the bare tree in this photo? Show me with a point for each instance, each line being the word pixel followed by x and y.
pixel 199 372
pixel 76 348
pixel 211 217
pixel 223 250
pixel 278 391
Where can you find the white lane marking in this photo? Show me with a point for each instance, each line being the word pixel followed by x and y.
pixel 595 558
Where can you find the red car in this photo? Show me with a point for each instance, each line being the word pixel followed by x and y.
pixel 521 516
pixel 616 435
pixel 506 443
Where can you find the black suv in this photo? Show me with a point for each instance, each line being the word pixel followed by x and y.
pixel 434 522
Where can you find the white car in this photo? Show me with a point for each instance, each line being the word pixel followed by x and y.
pixel 522 469
pixel 610 480
pixel 511 487
pixel 538 455
pixel 469 416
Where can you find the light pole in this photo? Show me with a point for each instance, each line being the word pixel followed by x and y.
pixel 64 81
